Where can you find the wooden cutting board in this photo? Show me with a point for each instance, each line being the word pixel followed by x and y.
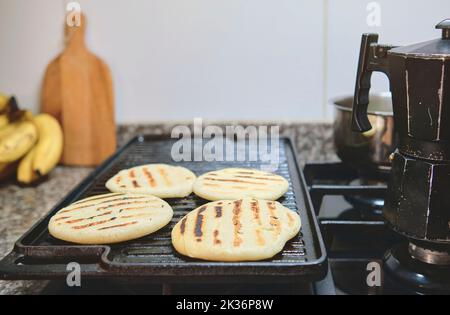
pixel 78 91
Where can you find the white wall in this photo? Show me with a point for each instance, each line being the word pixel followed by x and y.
pixel 403 22
pixel 217 59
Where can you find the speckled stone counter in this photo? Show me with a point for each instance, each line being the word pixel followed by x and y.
pixel 21 207
pixel 314 142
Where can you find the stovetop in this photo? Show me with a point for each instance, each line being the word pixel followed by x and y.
pixel 349 207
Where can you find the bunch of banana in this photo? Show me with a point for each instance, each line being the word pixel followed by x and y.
pixel 29 145
pixel 16 139
pixel 45 155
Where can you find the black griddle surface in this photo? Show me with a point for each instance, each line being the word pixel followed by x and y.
pixel 37 255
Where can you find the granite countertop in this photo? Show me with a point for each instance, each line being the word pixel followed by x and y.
pixel 21 207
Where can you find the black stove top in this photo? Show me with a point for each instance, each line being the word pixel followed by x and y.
pixel 364 254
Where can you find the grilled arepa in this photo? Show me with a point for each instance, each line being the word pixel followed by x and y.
pixel 110 218
pixel 160 180
pixel 235 183
pixel 235 230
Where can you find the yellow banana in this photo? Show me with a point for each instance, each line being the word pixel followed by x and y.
pixel 3 101
pixel 27 114
pixel 50 145
pixel 4 121
pixel 7 130
pixel 25 172
pixel 16 141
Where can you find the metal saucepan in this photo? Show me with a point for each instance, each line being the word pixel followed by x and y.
pixel 366 152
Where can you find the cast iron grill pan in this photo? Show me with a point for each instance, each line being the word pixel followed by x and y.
pixel 38 255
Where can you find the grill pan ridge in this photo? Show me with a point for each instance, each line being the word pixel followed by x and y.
pixel 37 255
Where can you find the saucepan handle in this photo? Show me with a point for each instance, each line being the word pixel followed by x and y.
pixel 372 57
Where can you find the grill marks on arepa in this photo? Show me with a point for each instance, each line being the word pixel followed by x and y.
pixel 237 240
pixel 232 228
pixel 148 175
pixel 118 203
pixel 160 180
pixel 236 222
pixel 110 214
pixel 134 182
pixel 141 177
pixel 199 223
pixel 233 183
pixel 116 200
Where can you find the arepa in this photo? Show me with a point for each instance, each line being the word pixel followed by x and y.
pixel 235 230
pixel 110 218
pixel 235 183
pixel 160 180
